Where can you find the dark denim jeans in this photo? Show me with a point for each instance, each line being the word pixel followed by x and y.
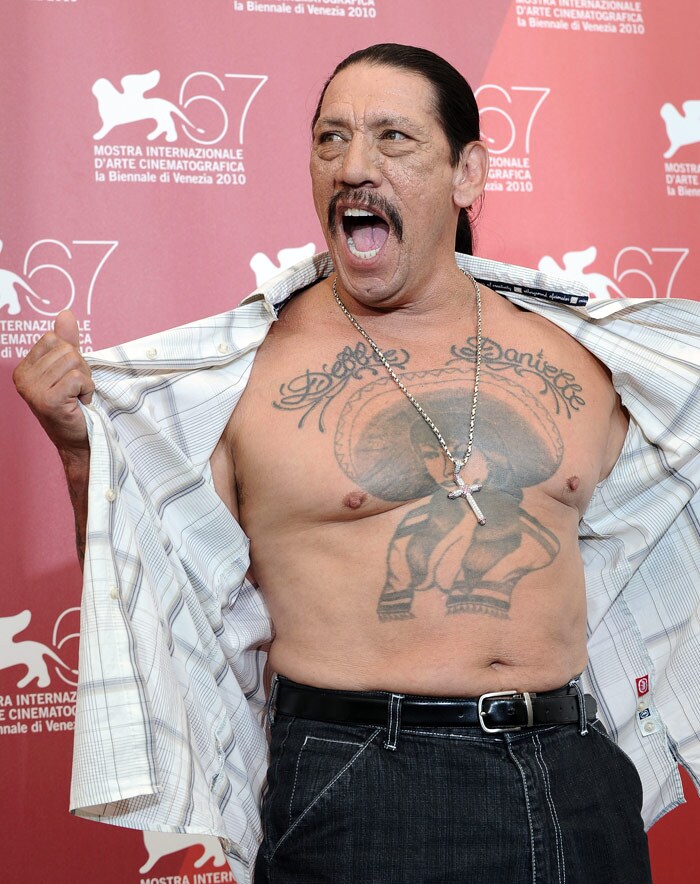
pixel 449 806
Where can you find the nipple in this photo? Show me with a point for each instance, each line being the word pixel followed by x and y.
pixel 355 499
pixel 572 483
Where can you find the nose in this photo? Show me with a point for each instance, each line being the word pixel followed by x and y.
pixel 361 166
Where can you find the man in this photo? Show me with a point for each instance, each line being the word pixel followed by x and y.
pixel 411 458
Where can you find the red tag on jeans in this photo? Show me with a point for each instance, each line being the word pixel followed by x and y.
pixel 642 685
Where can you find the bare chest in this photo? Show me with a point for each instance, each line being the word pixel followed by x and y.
pixel 325 434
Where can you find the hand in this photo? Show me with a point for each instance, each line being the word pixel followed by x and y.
pixel 52 378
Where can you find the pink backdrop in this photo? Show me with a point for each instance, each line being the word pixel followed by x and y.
pixel 591 109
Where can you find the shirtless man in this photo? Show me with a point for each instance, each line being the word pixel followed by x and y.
pixel 403 547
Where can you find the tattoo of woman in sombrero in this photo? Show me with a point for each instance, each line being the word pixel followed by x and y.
pixel 384 446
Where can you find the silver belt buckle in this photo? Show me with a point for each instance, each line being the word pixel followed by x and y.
pixel 500 730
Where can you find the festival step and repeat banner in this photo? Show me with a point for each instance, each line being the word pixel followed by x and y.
pixel 153 169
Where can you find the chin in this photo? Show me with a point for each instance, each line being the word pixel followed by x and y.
pixel 367 275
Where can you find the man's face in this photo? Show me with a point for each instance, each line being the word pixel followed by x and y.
pixel 383 182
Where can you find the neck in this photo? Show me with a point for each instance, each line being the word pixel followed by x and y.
pixel 433 302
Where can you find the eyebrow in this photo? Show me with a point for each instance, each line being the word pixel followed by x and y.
pixel 335 122
pixel 396 120
pixel 391 121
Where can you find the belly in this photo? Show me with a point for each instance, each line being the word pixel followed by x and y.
pixel 432 669
pixel 416 604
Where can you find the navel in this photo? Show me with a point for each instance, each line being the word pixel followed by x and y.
pixel 355 499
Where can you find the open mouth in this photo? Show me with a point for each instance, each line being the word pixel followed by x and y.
pixel 365 233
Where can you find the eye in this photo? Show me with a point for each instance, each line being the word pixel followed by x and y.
pixel 393 135
pixel 328 137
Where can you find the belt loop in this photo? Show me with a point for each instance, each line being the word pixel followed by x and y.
pixel 393 724
pixel 271 700
pixel 582 721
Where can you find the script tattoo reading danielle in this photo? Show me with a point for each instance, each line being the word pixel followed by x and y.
pixel 436 545
pixel 561 384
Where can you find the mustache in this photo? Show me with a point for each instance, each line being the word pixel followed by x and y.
pixel 369 200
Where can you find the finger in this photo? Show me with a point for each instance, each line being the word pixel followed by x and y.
pixel 36 381
pixel 69 362
pixel 44 345
pixel 72 385
pixel 66 327
pixel 67 375
pixel 89 388
pixel 46 361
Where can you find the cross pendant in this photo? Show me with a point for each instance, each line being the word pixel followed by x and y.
pixel 467 492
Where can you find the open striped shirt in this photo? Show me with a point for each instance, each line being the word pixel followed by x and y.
pixel 170 718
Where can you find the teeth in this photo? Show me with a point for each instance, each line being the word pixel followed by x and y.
pixel 358 254
pixel 359 213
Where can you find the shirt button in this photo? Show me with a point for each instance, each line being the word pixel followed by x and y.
pixel 650 727
pixel 110 494
pixel 642 705
pixel 223 349
pixel 151 352
pixel 114 592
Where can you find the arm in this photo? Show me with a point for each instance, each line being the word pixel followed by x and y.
pixel 52 378
pixel 223 472
pixel 619 423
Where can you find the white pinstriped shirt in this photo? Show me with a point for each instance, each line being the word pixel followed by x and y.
pixel 169 728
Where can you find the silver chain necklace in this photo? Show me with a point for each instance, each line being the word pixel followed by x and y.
pixel 463 489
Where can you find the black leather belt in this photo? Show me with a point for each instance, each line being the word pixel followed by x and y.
pixel 494 712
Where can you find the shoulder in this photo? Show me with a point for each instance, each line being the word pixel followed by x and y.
pixel 303 320
pixel 546 356
pixel 536 330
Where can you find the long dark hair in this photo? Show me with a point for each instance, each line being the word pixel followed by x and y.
pixel 455 105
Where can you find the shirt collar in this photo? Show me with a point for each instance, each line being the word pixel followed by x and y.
pixel 517 282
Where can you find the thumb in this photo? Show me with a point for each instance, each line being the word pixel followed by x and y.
pixel 66 327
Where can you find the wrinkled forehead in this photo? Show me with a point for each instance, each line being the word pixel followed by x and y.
pixel 382 88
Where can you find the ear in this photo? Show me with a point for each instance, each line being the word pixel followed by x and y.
pixel 470 174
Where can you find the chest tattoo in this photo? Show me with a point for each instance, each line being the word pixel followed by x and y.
pixel 385 447
pixel 565 392
pixel 315 390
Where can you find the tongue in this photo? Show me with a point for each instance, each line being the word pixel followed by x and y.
pixel 367 237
